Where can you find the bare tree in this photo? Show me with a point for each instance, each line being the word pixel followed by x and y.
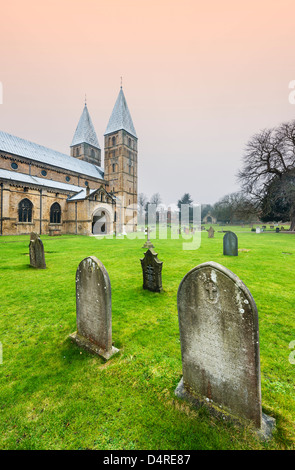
pixel 156 199
pixel 270 158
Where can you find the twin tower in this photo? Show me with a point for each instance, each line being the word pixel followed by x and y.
pixel 120 150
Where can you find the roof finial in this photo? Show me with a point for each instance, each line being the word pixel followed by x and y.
pixel 121 82
pixel 85 100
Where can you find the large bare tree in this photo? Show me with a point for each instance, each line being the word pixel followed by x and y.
pixel 269 160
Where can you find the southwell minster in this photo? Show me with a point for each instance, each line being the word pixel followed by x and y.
pixel 48 192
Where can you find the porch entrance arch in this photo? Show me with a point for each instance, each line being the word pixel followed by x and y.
pixel 101 222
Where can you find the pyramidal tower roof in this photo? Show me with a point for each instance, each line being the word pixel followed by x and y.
pixel 85 132
pixel 120 117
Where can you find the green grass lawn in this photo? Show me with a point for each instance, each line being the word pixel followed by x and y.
pixel 56 396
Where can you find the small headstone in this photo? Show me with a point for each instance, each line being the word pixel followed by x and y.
pixel 277 229
pixel 230 244
pixel 219 337
pixel 258 230
pixel 271 226
pixel 152 271
pixel 36 248
pixel 211 232
pixel 94 308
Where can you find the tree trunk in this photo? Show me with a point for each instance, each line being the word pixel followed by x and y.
pixel 292 219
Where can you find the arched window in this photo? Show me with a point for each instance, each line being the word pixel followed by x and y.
pixel 113 140
pixel 25 210
pixel 78 151
pixel 55 213
pixel 114 167
pixel 92 153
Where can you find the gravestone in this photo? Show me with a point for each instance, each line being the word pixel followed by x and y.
pixel 152 271
pixel 219 337
pixel 211 232
pixel 277 229
pixel 36 248
pixel 148 244
pixel 230 244
pixel 258 230
pixel 94 308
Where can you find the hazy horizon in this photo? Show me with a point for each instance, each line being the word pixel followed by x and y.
pixel 200 78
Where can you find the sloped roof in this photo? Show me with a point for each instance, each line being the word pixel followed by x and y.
pixel 35 180
pixel 121 117
pixel 24 148
pixel 85 132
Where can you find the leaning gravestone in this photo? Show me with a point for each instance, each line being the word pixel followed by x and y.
pixel 152 271
pixel 36 248
pixel 230 244
pixel 219 337
pixel 94 308
pixel 211 232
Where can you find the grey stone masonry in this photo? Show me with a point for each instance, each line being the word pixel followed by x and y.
pixel 36 249
pixel 94 308
pixel 219 337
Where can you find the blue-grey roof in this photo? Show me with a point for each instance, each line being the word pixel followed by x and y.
pixel 120 117
pixel 24 148
pixel 35 180
pixel 85 132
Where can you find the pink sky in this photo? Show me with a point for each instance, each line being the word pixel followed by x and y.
pixel 200 77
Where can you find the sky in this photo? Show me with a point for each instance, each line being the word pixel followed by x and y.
pixel 200 78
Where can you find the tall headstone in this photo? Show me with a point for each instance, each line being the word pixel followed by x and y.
pixel 219 336
pixel 211 232
pixel 152 271
pixel 36 249
pixel 94 308
pixel 230 244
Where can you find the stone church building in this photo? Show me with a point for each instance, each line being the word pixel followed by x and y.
pixel 48 192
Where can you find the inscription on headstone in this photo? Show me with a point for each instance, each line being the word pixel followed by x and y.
pixel 94 308
pixel 36 248
pixel 152 271
pixel 230 244
pixel 219 336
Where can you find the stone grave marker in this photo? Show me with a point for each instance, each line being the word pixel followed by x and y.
pixel 94 308
pixel 211 232
pixel 36 249
pixel 148 244
pixel 152 271
pixel 219 337
pixel 258 230
pixel 230 244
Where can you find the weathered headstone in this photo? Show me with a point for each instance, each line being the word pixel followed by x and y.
pixel 277 229
pixel 94 308
pixel 152 271
pixel 230 244
pixel 36 248
pixel 219 336
pixel 258 230
pixel 211 232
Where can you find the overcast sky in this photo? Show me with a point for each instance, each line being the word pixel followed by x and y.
pixel 200 77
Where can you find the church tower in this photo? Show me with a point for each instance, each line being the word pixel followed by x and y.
pixel 120 160
pixel 85 144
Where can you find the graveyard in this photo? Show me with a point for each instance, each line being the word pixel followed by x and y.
pixel 55 394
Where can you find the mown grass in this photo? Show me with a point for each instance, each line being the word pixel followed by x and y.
pixel 56 396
